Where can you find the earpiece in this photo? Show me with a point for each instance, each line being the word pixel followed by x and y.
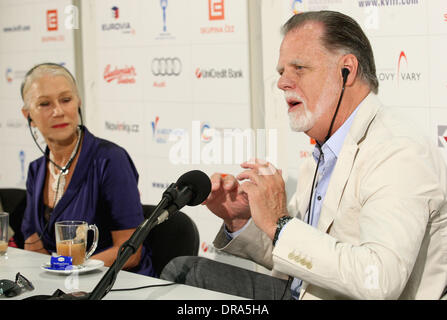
pixel 29 119
pixel 345 73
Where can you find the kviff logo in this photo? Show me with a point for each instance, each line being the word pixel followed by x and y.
pixel 404 73
pixel 125 75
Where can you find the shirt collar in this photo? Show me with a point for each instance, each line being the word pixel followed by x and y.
pixel 335 142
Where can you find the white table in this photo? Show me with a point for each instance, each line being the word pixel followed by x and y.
pixel 45 283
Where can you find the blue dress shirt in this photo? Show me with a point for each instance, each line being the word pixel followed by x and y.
pixel 331 149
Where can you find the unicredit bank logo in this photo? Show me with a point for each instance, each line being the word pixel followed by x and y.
pixel 166 66
pixel 123 75
pixel 212 73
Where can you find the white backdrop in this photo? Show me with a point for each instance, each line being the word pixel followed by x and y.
pixel 171 81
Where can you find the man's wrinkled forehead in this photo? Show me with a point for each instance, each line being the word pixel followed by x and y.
pixel 308 33
pixel 304 43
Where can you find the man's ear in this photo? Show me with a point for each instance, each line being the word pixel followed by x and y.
pixel 350 62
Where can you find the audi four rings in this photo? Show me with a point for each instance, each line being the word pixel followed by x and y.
pixel 166 66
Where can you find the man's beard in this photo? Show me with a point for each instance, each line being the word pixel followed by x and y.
pixel 301 119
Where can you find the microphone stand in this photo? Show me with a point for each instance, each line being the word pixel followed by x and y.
pixel 131 246
pixel 127 249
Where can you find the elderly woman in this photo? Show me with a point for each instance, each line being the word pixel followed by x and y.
pixel 81 177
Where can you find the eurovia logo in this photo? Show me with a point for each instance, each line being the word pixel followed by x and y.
pixel 117 25
pixel 115 12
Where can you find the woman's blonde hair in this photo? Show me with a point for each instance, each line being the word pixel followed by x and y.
pixel 42 69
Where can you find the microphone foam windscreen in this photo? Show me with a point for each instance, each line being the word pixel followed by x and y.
pixel 199 183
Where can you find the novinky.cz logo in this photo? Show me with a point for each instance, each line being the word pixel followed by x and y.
pixel 212 73
pixel 122 126
pixel 125 75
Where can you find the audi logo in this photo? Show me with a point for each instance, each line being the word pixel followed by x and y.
pixel 166 66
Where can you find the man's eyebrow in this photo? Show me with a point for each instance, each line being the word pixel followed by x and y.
pixel 297 62
pixel 279 69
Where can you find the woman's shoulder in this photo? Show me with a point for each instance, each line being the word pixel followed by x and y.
pixel 106 149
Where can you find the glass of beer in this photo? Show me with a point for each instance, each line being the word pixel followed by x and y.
pixel 71 240
pixel 4 224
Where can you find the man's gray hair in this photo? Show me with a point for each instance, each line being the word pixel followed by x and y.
pixel 341 33
pixel 47 68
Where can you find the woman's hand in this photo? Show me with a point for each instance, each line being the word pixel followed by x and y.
pixel 33 243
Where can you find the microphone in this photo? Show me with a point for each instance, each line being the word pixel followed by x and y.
pixel 192 188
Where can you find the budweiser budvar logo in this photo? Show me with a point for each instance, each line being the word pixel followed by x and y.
pixel 121 75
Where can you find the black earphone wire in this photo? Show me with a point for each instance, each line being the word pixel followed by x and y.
pixel 345 73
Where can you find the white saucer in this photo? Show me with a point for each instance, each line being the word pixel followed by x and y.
pixel 89 265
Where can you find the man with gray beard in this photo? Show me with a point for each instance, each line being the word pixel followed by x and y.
pixel 369 217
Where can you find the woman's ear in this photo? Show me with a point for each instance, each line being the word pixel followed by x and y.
pixel 27 116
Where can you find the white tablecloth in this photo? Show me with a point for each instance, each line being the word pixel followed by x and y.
pixel 45 283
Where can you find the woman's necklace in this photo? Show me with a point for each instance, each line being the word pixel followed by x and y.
pixel 58 184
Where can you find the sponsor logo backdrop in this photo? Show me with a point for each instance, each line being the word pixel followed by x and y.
pixel 169 77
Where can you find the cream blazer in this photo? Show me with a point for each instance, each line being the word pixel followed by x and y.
pixel 382 232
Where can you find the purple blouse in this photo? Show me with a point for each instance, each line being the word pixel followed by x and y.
pixel 102 191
